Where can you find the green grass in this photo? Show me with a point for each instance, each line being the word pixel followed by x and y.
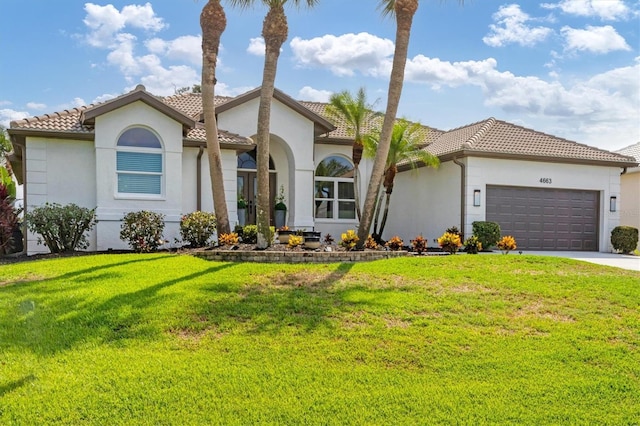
pixel 168 339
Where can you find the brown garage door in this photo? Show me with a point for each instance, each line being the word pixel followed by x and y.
pixel 546 219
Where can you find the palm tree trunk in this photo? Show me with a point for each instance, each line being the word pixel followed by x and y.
pixel 386 213
pixel 274 32
pixel 404 12
pixel 213 22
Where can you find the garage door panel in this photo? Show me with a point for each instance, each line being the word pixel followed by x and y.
pixel 546 219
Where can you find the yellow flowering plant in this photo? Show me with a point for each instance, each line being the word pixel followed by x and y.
pixel 450 242
pixel 349 239
pixel 506 244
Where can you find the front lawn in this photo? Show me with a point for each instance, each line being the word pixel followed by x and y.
pixel 170 339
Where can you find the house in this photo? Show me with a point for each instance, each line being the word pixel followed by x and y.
pixel 139 151
pixel 630 190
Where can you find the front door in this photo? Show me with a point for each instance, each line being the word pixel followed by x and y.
pixel 248 188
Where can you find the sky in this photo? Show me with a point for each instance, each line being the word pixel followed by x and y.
pixel 570 68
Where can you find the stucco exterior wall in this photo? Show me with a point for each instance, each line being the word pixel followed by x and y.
pixel 59 171
pixel 113 206
pixel 630 199
pixel 488 171
pixel 424 202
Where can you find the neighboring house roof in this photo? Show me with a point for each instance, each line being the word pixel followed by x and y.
pixel 632 151
pixel 496 138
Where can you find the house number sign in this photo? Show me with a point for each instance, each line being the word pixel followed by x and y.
pixel 546 180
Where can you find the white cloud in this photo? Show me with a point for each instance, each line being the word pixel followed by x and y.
pixel 593 39
pixel 123 56
pixel 106 21
pixel 345 54
pixel 511 28
pixel 608 10
pixel 308 93
pixel 256 46
pixel 36 106
pixel 9 115
pixel 223 89
pixel 187 48
pixel 103 98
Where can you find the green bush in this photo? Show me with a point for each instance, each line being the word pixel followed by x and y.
pixel 487 232
pixel 197 228
pixel 624 238
pixel 62 228
pixel 8 220
pixel 472 245
pixel 250 234
pixel 143 230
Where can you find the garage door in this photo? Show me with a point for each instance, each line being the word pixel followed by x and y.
pixel 546 219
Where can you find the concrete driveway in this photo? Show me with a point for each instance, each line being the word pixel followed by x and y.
pixel 610 259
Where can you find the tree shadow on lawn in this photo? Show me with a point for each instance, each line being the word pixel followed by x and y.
pixel 302 300
pixel 66 322
pixel 11 386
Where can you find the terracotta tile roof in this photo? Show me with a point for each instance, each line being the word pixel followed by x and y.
pixel 200 135
pixel 503 138
pixel 342 128
pixel 191 103
pixel 631 151
pixel 67 121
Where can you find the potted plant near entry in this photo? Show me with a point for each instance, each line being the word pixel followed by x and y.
pixel 283 234
pixel 242 210
pixel 280 209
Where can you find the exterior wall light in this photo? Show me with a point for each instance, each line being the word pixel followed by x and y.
pixel 612 204
pixel 476 198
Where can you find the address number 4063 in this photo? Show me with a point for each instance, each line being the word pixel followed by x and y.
pixel 545 180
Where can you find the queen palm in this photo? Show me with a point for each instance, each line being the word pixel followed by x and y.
pixel 213 23
pixel 357 114
pixel 406 139
pixel 275 31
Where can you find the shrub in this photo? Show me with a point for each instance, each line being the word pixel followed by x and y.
pixel 8 220
pixel 238 229
pixel 328 239
pixel 197 228
pixel 450 242
pixel 250 234
pixel 349 239
pixel 143 230
pixel 295 240
pixel 487 232
pixel 472 245
pixel 624 238
pixel 230 239
pixel 419 244
pixel 454 230
pixel 506 244
pixel 62 228
pixel 371 243
pixel 395 243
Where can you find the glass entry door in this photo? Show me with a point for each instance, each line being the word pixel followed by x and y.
pixel 248 188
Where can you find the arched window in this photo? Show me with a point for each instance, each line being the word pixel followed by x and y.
pixel 334 195
pixel 139 164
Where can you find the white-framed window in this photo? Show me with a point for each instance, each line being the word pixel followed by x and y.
pixel 334 195
pixel 139 162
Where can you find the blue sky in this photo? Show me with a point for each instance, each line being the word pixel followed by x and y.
pixel 570 68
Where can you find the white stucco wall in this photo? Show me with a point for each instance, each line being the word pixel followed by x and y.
pixel 113 206
pixel 59 171
pixel 189 182
pixel 488 171
pixel 630 198
pixel 424 202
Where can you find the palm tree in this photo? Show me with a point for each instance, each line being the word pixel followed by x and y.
pixel 213 23
pixel 406 139
pixel 403 10
pixel 275 31
pixel 357 114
